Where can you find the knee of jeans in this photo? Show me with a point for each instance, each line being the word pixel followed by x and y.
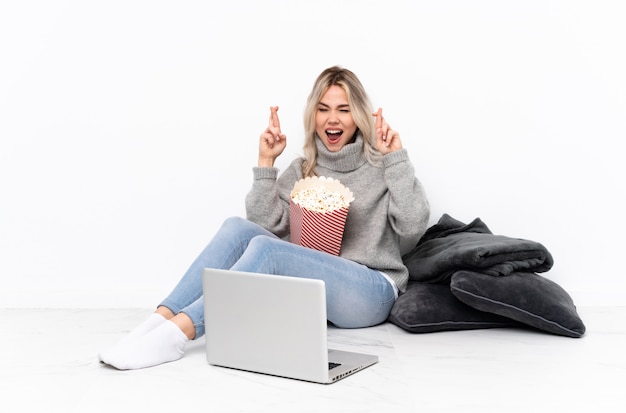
pixel 256 257
pixel 233 222
pixel 261 243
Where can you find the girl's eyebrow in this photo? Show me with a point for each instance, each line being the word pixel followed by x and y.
pixel 345 105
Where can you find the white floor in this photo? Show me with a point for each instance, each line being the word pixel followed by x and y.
pixel 48 364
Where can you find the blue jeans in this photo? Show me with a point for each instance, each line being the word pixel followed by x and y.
pixel 356 296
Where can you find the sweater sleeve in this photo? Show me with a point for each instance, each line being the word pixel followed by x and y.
pixel 267 203
pixel 409 210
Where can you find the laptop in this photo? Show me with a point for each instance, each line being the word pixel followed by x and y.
pixel 273 325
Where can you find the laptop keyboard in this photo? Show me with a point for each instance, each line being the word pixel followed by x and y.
pixel 332 365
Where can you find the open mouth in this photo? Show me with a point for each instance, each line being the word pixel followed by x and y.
pixel 334 135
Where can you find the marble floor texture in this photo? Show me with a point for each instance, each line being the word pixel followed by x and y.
pixel 48 363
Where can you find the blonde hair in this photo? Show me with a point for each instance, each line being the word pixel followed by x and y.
pixel 360 108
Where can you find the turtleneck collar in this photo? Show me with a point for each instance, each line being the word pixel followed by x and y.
pixel 347 159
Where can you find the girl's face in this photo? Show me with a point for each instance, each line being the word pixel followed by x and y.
pixel 333 121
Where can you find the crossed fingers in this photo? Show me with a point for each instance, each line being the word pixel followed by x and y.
pixel 387 139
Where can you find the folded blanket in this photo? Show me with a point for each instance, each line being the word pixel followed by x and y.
pixel 451 245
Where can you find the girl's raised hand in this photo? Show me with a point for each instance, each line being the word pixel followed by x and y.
pixel 272 141
pixel 387 139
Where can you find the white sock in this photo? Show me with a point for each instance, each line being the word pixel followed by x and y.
pixel 163 344
pixel 153 321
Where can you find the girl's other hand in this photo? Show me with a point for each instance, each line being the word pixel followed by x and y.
pixel 387 139
pixel 272 141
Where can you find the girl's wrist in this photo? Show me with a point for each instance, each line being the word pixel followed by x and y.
pixel 265 163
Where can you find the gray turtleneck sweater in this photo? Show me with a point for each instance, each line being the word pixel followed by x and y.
pixel 389 213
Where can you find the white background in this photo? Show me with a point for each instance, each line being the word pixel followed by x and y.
pixel 129 128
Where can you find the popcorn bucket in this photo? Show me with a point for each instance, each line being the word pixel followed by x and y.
pixel 318 212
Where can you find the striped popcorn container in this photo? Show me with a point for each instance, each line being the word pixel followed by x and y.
pixel 318 211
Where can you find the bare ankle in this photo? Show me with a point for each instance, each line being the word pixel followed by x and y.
pixel 185 323
pixel 165 312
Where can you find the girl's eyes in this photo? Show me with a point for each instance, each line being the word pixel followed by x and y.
pixel 340 110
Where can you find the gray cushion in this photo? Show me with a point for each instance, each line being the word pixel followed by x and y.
pixel 522 296
pixel 450 246
pixel 427 308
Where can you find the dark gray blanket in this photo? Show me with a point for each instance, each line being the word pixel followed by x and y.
pixel 451 245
